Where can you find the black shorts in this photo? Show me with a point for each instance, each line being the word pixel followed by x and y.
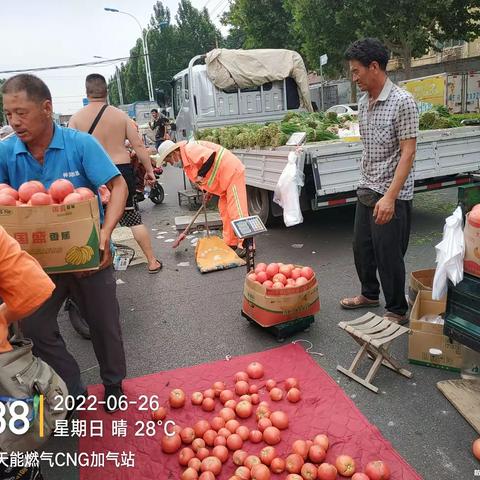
pixel 131 217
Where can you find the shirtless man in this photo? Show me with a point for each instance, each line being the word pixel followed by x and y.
pixel 112 130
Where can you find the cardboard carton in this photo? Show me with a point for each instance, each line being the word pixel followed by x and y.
pixel 471 262
pixel 63 238
pixel 426 336
pixel 419 280
pixel 270 306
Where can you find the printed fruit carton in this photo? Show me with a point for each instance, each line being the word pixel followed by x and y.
pixel 63 238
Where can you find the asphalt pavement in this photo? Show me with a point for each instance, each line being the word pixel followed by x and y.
pixel 179 318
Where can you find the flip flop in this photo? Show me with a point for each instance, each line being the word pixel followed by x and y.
pixel 358 302
pixel 156 270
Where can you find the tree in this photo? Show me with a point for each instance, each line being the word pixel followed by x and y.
pixel 261 24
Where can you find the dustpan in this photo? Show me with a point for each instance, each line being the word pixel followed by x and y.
pixel 212 253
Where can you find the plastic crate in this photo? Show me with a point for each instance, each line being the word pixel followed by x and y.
pixel 462 319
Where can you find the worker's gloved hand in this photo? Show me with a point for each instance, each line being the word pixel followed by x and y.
pixel 207 197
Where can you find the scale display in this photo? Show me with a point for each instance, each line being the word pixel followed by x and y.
pixel 248 226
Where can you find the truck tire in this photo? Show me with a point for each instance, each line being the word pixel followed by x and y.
pixel 258 201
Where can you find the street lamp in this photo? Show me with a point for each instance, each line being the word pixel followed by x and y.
pixel 145 51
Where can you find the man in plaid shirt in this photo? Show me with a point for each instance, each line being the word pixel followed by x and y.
pixel 388 119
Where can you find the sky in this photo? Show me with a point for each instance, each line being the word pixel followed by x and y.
pixel 41 33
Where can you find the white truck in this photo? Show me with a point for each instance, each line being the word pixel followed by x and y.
pixel 445 158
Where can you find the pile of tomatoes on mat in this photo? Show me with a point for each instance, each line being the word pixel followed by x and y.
pixel 279 275
pixel 33 193
pixel 209 444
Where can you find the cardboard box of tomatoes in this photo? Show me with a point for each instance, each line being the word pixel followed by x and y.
pixel 278 293
pixel 60 228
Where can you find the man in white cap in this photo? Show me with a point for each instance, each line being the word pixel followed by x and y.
pixel 215 170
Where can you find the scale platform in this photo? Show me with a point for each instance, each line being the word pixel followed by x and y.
pixel 286 329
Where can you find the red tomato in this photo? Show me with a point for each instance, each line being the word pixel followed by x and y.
pixel 224 432
pixel 260 472
pixel 267 284
pixel 208 404
pixel 221 452
pixel 279 419
pixel 272 436
pixel 272 269
pixel 326 471
pixel 209 393
pixel 195 463
pixel 316 454
pixel 231 404
pixel 307 272
pixel 377 470
pixel 239 457
pixel 251 461
pixel 226 395
pixel 218 387
pixel 286 270
pixel 197 398
pixel 360 476
pixel 243 473
pixel 255 370
pixel 270 383
pixel 291 382
pixel 241 387
pixel 171 444
pixel 253 389
pixel 294 463
pixel 27 189
pixel 293 476
pixel 41 198
pixel 244 409
pixel 300 447
pixel 277 465
pixel 476 448
pixel 209 437
pixel 245 398
pixel 279 278
pixel 241 376
pixel 11 192
pixel 189 474
pixel 321 440
pixel 277 285
pixel 276 394
pixel 59 189
pixel 261 267
pixel 255 398
pixel 291 283
pixel 202 453
pixel 217 423
pixel 301 281
pixel 267 454
pixel 255 436
pixel 219 441
pixel 72 198
pixel 309 471
pixel 177 398
pixel 197 444
pixel 262 411
pixel 294 395
pixel 4 185
pixel 232 425
pixel 296 273
pixel 211 464
pixel 207 476
pixel 188 435
pixel 345 465
pixel 252 277
pixel 7 200
pixel 234 442
pixel 85 192
pixel 243 431
pixel 185 455
pixel 264 423
pixel 261 277
pixel 201 427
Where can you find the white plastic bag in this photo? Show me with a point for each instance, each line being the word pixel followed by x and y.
pixel 450 253
pixel 287 191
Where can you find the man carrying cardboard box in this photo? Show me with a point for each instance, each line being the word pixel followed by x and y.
pixel 43 151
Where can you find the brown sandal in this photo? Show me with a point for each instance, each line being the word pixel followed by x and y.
pixel 358 302
pixel 396 318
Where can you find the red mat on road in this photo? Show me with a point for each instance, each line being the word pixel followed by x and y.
pixel 324 408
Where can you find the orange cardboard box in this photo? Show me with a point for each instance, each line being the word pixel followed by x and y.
pixel 63 238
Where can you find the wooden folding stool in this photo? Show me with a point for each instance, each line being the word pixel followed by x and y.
pixel 374 334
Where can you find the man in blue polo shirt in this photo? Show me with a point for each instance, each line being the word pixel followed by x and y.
pixel 43 151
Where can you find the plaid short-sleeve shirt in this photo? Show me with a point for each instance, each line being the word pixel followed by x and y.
pixel 393 117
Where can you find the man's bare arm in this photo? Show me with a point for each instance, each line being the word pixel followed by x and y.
pixel 142 153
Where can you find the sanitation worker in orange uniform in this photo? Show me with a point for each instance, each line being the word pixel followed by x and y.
pixel 215 170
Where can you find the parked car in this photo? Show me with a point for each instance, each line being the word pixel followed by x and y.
pixel 345 109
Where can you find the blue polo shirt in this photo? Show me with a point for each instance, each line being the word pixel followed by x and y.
pixel 73 155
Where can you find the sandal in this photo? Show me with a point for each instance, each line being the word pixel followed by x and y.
pixel 358 302
pixel 396 318
pixel 156 270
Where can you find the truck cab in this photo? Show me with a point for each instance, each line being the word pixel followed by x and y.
pixel 198 103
